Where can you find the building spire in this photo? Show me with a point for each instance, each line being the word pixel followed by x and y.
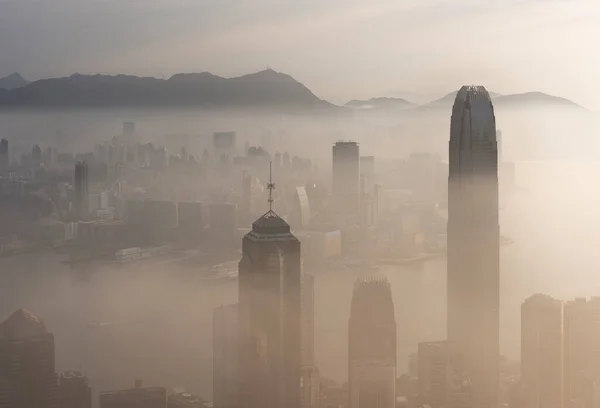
pixel 271 186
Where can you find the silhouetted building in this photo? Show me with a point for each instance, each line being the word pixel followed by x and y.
pixel 581 339
pixel 310 373
pixel 223 224
pixel 372 345
pixel 473 241
pixel 74 390
pixel 4 155
pixel 27 376
pixel 226 357
pixel 270 315
pixel 81 190
pixel 36 156
pixel 443 381
pixel 137 397
pixel 346 172
pixel 542 351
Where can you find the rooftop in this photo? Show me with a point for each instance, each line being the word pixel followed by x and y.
pixel 22 324
pixel 270 223
pixel 471 93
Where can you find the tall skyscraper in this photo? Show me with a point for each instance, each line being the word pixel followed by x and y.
pixel 27 376
pixel 473 241
pixel 74 390
pixel 36 156
pixel 443 381
pixel 81 189
pixel 4 155
pixel 372 345
pixel 270 315
pixel 581 339
pixel 310 373
pixel 542 351
pixel 346 173
pixel 226 356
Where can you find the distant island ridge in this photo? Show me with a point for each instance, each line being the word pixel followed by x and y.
pixel 264 89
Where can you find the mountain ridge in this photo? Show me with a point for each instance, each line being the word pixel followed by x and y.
pixel 13 81
pixel 266 88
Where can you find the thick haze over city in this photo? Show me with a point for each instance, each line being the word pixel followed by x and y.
pixel 371 204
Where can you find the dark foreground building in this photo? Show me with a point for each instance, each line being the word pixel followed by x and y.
pixel 473 241
pixel 27 376
pixel 372 345
pixel 74 390
pixel 270 316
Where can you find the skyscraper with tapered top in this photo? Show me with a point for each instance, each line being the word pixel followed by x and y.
pixel 27 375
pixel 270 315
pixel 372 345
pixel 473 241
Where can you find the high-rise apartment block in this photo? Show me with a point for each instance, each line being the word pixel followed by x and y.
pixel 372 345
pixel 310 373
pixel 81 190
pixel 27 376
pixel 542 351
pixel 270 316
pixel 346 173
pixel 443 380
pixel 74 390
pixel 581 331
pixel 473 241
pixel 226 356
pixel 4 155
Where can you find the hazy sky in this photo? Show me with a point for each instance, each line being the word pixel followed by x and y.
pixel 341 49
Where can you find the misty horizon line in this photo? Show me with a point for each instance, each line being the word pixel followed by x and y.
pixel 446 98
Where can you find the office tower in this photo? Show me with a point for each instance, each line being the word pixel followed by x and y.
pixel 542 351
pixel 308 320
pixel 81 189
pixel 137 397
pixel 372 345
pixel 27 376
pixel 442 379
pixel 473 241
pixel 4 155
pixel 74 390
pixel 346 169
pixel 581 331
pixel 310 378
pixel 36 156
pixel 225 356
pixel 270 315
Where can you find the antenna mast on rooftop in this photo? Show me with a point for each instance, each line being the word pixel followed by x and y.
pixel 271 186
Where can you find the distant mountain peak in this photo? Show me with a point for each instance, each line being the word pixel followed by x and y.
pixel 381 103
pixel 12 81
